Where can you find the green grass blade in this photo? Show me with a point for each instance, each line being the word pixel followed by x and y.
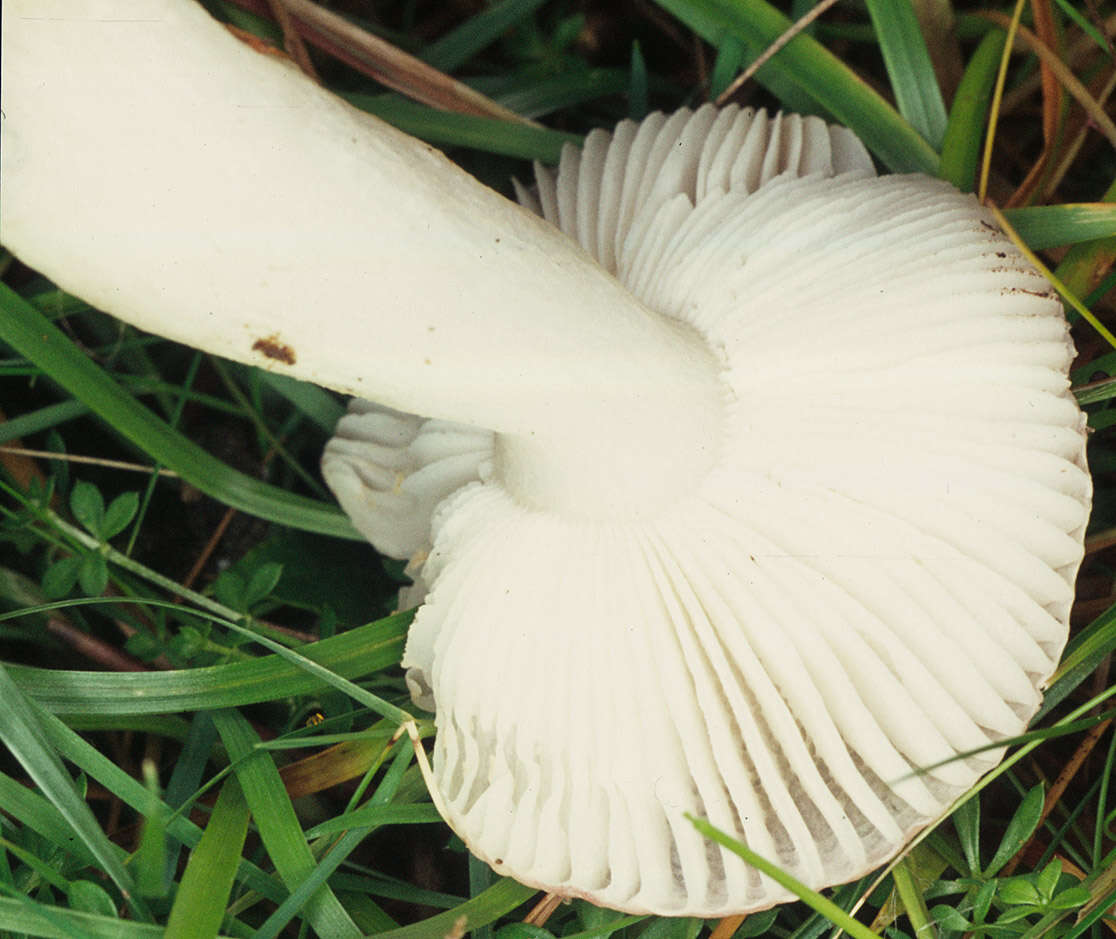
pixel 820 74
pixel 811 898
pixel 36 813
pixel 373 702
pixel 23 734
pixel 25 916
pixel 909 68
pixel 465 130
pixel 207 882
pixel 913 903
pixel 289 908
pixel 496 901
pixel 278 824
pixel 729 60
pixel 97 766
pixel 355 652
pixel 964 133
pixel 1083 655
pixel 459 45
pixel 32 336
pixel 42 419
pixel 319 406
pixel 534 97
pixel 1047 226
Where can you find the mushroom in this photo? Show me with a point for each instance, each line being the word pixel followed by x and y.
pixel 747 484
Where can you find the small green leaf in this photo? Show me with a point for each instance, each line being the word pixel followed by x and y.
pixel 60 577
pixel 88 897
pixel 948 917
pixel 120 512
pixel 1071 898
pixel 229 589
pixel 93 574
pixel 1047 881
pixel 263 580
pixel 188 643
pixel 1015 914
pixel 982 902
pixel 142 646
pixel 88 507
pixel 1022 825
pixel 1019 891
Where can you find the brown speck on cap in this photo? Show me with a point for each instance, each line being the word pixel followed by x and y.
pixel 272 348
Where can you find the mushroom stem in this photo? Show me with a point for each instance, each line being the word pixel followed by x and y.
pixel 171 175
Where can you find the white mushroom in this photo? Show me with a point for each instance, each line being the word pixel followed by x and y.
pixel 774 503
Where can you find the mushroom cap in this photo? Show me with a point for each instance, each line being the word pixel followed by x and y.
pixel 872 580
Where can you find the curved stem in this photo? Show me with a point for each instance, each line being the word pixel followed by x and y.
pixel 201 190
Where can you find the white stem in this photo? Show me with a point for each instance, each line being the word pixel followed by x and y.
pixel 171 175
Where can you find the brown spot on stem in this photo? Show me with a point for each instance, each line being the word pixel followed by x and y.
pixel 274 349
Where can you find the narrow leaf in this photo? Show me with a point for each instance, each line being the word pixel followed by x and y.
pixel 496 901
pixel 278 824
pixel 909 67
pixel 352 653
pixel 23 735
pixel 88 507
pixel 1047 226
pixel 461 44
pixel 207 882
pixel 465 130
pixel 1022 825
pixel 120 512
pixel 964 133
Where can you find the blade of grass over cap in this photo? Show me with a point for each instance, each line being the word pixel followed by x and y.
pixel 907 59
pixel 32 336
pixel 826 79
pixel 811 898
